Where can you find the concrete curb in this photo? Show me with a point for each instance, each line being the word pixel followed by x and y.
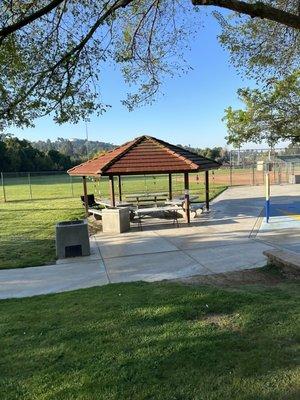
pixel 283 258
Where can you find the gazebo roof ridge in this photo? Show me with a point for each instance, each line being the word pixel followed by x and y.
pixel 145 155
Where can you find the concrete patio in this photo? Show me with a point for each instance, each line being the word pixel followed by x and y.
pixel 224 240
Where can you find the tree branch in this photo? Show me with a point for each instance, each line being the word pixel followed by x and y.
pixel 75 50
pixel 30 18
pixel 258 9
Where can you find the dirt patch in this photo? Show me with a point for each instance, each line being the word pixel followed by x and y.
pixel 268 276
pixel 223 321
pixel 94 226
pixel 239 177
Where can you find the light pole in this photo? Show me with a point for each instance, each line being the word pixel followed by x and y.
pixel 267 181
pixel 87 139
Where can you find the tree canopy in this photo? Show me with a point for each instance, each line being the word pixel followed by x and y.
pixel 270 115
pixel 20 156
pixel 52 51
pixel 260 48
pixel 59 155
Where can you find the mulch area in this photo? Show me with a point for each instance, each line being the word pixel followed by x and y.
pixel 268 276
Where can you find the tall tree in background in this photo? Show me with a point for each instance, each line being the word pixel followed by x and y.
pixel 52 51
pixel 20 156
pixel 270 115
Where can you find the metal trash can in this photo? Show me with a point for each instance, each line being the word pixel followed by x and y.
pixel 72 239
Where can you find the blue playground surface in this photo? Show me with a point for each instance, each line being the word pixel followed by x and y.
pixel 283 216
pixel 283 229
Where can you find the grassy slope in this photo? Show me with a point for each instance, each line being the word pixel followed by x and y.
pixel 151 341
pixel 28 228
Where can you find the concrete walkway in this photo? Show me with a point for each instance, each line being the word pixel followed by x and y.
pixel 214 243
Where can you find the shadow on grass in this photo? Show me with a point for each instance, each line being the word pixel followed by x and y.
pixel 151 341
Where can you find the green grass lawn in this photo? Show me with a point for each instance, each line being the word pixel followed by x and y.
pixel 62 186
pixel 157 341
pixel 28 226
pixel 28 229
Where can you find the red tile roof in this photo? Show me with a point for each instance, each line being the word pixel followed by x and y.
pixel 144 155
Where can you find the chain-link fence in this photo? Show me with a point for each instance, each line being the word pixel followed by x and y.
pixel 49 185
pixel 254 174
pixel 34 186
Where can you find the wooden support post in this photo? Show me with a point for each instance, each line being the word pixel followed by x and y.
pixel 207 190
pixel 86 205
pixel 187 197
pixel 120 187
pixel 29 185
pixel 170 187
pixel 112 190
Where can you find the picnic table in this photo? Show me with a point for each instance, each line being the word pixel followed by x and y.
pixel 147 197
pixel 194 207
pixel 178 201
pixel 142 212
pixel 106 203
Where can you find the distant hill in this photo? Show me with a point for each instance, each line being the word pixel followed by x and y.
pixel 74 148
pixel 20 155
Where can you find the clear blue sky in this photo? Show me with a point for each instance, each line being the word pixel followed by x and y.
pixel 190 111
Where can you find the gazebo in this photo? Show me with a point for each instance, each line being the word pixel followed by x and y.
pixel 146 155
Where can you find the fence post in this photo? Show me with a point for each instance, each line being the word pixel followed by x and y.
pixel 72 188
pixel 230 174
pixel 3 187
pixel 253 175
pixel 29 183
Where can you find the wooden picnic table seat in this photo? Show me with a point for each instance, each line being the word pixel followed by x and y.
pixel 96 212
pixel 106 203
pixel 178 201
